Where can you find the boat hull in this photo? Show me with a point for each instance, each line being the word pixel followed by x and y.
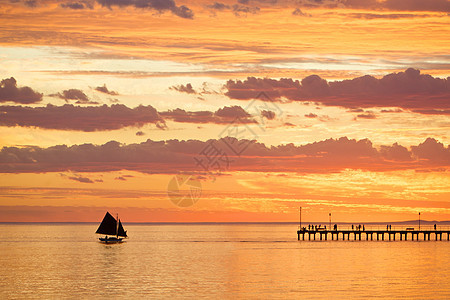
pixel 111 240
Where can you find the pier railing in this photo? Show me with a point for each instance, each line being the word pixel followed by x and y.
pixel 383 227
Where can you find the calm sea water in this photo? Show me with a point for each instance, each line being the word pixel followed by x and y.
pixel 251 261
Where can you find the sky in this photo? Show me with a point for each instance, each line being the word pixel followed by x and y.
pixel 228 111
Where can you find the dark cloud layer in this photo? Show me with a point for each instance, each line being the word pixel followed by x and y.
pixel 158 5
pixel 408 90
pixel 225 115
pixel 394 5
pixel 70 117
pixel 77 5
pixel 116 116
pixel 10 92
pixel 172 156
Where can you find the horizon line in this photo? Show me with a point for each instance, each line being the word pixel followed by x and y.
pixel 262 222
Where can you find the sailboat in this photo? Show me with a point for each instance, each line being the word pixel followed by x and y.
pixel 113 227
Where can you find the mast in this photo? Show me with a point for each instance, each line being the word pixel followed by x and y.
pixel 117 226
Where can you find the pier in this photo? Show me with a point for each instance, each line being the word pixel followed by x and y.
pixel 402 234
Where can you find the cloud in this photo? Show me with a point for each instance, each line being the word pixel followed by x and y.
pixel 104 89
pixel 238 9
pixel 75 94
pixel 172 156
pixel 184 88
pixel 218 6
pixel 372 16
pixel 204 90
pixel 88 119
pixel 140 133
pixel 241 10
pixel 407 90
pixel 268 114
pixel 432 150
pixel 396 152
pixel 225 115
pixel 77 5
pixel 123 177
pixel 311 115
pixel 367 115
pixel 397 110
pixel 10 92
pixel 158 5
pixel 414 5
pixel 30 3
pixel 81 179
pixel 299 12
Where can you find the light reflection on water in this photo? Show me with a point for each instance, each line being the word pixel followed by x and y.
pixel 212 261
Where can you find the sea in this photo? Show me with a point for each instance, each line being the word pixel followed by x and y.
pixel 214 261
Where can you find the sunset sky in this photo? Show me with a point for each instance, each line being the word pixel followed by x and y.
pixel 255 107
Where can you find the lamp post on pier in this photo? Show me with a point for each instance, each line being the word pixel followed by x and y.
pixel 419 220
pixel 330 220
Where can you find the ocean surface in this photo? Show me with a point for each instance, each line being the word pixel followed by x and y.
pixel 240 261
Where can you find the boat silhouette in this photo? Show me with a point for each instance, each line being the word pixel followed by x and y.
pixel 112 229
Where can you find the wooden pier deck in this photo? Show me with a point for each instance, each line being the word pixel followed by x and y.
pixel 372 234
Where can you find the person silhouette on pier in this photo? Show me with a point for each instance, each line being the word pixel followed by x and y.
pixel 364 228
pixel 352 226
pixel 434 226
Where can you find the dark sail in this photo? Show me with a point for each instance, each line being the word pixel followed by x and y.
pixel 121 232
pixel 108 225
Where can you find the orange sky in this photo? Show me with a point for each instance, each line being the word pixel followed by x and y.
pixel 353 118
